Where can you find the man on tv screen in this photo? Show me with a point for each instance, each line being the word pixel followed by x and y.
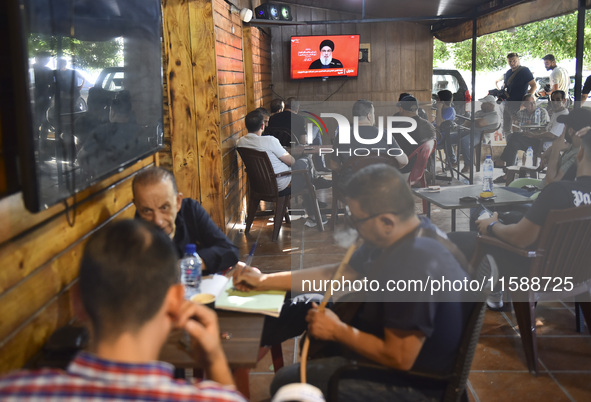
pixel 326 60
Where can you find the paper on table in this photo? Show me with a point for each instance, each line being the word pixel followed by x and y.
pixel 267 302
pixel 213 284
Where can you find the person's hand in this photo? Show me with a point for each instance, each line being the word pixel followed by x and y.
pixel 323 323
pixel 483 224
pixel 201 323
pixel 246 278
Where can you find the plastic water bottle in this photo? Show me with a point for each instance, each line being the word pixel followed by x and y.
pixel 190 267
pixel 487 174
pixel 529 157
pixel 537 116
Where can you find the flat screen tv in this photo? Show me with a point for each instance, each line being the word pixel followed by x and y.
pixel 83 97
pixel 322 56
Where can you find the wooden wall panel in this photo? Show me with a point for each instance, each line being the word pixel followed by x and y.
pixel 181 96
pixel 207 111
pixel 40 254
pixel 17 350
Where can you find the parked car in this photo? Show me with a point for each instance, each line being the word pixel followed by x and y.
pixel 544 85
pixel 453 81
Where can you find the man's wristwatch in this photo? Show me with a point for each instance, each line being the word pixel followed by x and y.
pixel 489 230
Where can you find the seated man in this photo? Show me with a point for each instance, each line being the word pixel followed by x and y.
pixel 266 115
pixel 290 120
pixel 130 291
pixel 444 109
pixel 485 119
pixel 277 106
pixel 410 335
pixel 557 195
pixel 560 159
pixel 423 133
pixel 365 112
pixel 421 112
pixel 157 200
pixel 538 139
pixel 280 159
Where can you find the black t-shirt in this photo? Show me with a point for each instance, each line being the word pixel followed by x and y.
pixel 518 87
pixel 441 322
pixel 289 120
pixel 587 86
pixel 317 64
pixel 560 195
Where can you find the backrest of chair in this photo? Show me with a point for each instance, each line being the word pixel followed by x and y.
pixel 422 154
pixel 284 135
pixel 259 171
pixel 565 243
pixel 465 354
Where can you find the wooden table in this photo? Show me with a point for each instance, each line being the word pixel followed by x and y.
pixel 241 349
pixel 449 198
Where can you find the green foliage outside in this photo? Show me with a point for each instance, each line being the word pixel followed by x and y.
pixel 556 35
pixel 89 55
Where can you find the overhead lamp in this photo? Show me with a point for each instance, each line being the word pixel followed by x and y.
pixel 245 13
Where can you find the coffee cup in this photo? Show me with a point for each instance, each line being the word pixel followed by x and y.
pixel 206 299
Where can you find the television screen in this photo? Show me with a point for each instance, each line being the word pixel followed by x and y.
pixel 324 56
pixel 85 96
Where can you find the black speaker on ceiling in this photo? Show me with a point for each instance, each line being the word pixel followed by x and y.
pixel 270 11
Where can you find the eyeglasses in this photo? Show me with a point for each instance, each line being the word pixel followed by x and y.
pixel 355 222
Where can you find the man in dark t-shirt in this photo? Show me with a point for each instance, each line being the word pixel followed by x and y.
pixel 425 131
pixel 291 120
pixel 516 81
pixel 415 331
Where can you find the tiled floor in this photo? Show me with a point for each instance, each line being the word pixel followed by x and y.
pixel 498 371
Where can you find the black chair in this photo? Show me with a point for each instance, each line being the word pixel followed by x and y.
pixel 262 184
pixel 563 250
pixel 452 383
pixel 443 143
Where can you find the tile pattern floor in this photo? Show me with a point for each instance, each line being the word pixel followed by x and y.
pixel 499 369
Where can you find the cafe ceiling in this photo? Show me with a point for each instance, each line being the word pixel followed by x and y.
pixel 449 20
pixel 418 9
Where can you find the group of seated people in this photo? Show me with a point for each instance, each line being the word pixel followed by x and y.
pixel 533 126
pixel 130 291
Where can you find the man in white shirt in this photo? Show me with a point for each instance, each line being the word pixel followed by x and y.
pixel 281 160
pixel 559 79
